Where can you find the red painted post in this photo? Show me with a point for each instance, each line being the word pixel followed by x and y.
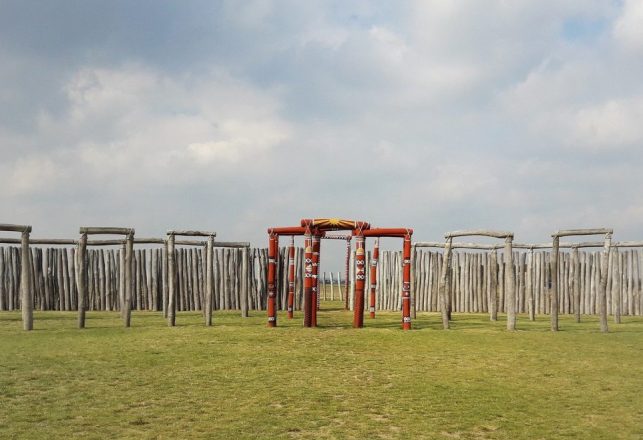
pixel 360 278
pixel 315 280
pixel 308 278
pixel 347 273
pixel 291 277
pixel 317 275
pixel 406 283
pixel 373 274
pixel 272 309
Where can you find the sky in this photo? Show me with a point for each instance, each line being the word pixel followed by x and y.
pixel 236 116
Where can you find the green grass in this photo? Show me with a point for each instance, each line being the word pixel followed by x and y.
pixel 240 379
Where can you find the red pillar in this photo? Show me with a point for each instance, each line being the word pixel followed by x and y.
pixel 406 283
pixel 347 272
pixel 291 277
pixel 360 278
pixel 272 271
pixel 373 274
pixel 315 280
pixel 308 278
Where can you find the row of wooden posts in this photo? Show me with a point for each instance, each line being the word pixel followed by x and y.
pixel 476 280
pixel 54 280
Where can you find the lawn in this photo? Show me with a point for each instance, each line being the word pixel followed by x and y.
pixel 239 379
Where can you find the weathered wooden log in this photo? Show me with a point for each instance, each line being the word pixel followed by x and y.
pixel 510 283
pixel 209 291
pixel 82 278
pixel 66 279
pixel 572 232
pixel 91 230
pixel 617 266
pixel 245 277
pixel 554 284
pixel 444 293
pixel 165 278
pixel 529 285
pixel 479 232
pixel 154 265
pixel 3 290
pixel 171 281
pixel 576 284
pixel 603 284
pixel 26 291
pixel 129 282
pixel 15 228
pixel 190 233
pixel 493 286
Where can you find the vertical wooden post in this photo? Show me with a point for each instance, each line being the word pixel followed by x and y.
pixel 208 295
pixel 373 276
pixel 346 274
pixel 291 277
pixel 360 277
pixel 129 255
pixel 444 286
pixel 245 282
pixel 308 278
pixel 272 273
pixel 602 294
pixel 171 281
pixel 553 301
pixel 510 284
pixel 82 279
pixel 616 286
pixel 576 283
pixel 493 286
pixel 26 291
pixel 121 280
pixel 531 304
pixel 2 288
pixel 332 287
pixel 406 283
pixel 315 280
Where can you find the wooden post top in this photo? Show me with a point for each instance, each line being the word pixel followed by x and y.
pixel 6 227
pixel 480 232
pixel 102 230
pixel 189 233
pixel 571 232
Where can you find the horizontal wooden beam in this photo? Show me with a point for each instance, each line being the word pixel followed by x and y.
pixel 435 244
pixel 620 244
pixel 105 242
pixel 14 228
pixel 479 232
pixel 189 243
pixel 192 233
pixel 571 232
pixel 149 240
pixel 232 244
pixel 99 230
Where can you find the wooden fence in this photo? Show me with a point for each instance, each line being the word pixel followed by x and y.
pixel 54 271
pixel 54 278
pixel 471 275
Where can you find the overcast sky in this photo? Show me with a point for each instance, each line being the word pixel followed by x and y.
pixel 235 116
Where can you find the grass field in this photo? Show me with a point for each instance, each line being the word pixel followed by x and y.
pixel 240 379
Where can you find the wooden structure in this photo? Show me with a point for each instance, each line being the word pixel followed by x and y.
pixel 445 294
pixel 602 295
pixel 313 231
pixel 26 293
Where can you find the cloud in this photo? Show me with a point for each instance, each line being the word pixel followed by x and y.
pixel 627 29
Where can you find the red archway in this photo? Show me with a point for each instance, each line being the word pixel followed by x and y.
pixel 313 231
